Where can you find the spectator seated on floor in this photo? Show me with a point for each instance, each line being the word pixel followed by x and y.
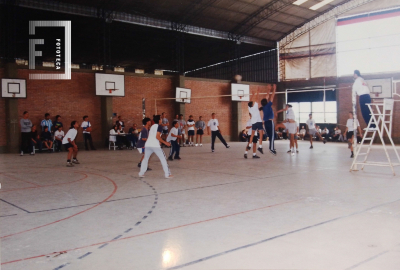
pixel 58 137
pixel 47 139
pixel 325 133
pixel 302 133
pixel 35 140
pixel 337 135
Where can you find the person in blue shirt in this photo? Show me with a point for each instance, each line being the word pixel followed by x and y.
pixel 269 117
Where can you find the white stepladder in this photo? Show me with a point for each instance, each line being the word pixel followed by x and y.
pixel 382 117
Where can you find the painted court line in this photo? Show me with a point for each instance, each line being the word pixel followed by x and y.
pixel 275 237
pixel 81 212
pixel 15 178
pixel 15 206
pixel 367 260
pixel 159 231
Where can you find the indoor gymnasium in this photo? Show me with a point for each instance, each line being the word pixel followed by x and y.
pixel 200 134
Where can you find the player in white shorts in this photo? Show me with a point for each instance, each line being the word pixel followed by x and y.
pixel 254 141
pixel 312 130
pixel 349 132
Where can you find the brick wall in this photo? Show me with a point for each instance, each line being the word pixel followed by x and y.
pixel 72 99
pixel 3 139
pixel 137 88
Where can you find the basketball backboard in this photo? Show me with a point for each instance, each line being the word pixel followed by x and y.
pixel 240 92
pixel 183 95
pixel 13 88
pixel 110 85
pixel 380 88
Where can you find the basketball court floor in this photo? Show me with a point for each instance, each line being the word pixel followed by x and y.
pixel 220 211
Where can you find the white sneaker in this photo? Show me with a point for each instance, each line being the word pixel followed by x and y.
pixel 141 176
pixel 32 153
pixel 292 153
pixel 169 177
pixel 196 145
pixel 22 153
pixel 201 145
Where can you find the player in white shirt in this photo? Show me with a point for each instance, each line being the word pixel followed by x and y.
pixel 70 145
pixel 312 130
pixel 213 124
pixel 190 124
pixel 256 121
pixel 58 136
pixel 153 146
pixel 254 142
pixel 172 139
pixel 360 88
pixel 291 126
pixel 349 132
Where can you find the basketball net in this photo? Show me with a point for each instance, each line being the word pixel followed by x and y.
pixel 112 90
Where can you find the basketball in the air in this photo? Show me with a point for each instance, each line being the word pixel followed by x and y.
pixel 89 129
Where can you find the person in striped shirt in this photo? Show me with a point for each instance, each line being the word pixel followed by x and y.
pixel 46 122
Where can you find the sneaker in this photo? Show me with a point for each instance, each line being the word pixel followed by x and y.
pixel 248 148
pixel 256 156
pixel 139 164
pixel 148 169
pixel 324 141
pixel 293 153
pixel 260 150
pixel 169 176
pixel 273 152
pixel 311 147
pixel 201 145
pixel 32 153
pixel 141 176
pixel 227 146
pixel 178 158
pixel 75 161
pixel 196 145
pixel 212 150
pixel 69 164
pixel 245 155
pixel 352 156
pixel 297 151
pixel 290 151
pixel 22 153
pixel 170 158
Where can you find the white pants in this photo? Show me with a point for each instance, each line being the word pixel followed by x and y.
pixel 160 154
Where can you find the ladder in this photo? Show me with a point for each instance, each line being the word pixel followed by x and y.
pixel 382 117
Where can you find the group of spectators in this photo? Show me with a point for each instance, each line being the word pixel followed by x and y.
pixel 49 135
pixel 124 140
pixel 186 132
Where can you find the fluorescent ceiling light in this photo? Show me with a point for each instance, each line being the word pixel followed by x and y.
pixel 321 4
pixel 299 2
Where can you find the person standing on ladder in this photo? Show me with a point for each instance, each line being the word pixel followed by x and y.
pixel 360 88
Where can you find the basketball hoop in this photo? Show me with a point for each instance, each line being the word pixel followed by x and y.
pixel 183 100
pixel 110 90
pixel 13 95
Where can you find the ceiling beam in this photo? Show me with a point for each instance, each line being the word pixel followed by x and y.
pixel 260 15
pixel 320 19
pixel 56 6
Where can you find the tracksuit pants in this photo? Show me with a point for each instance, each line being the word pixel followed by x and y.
pixel 160 154
pixel 88 137
pixel 216 134
pixel 364 99
pixel 175 148
pixel 270 129
pixel 25 141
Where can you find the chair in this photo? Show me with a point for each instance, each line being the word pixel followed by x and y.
pixel 114 145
